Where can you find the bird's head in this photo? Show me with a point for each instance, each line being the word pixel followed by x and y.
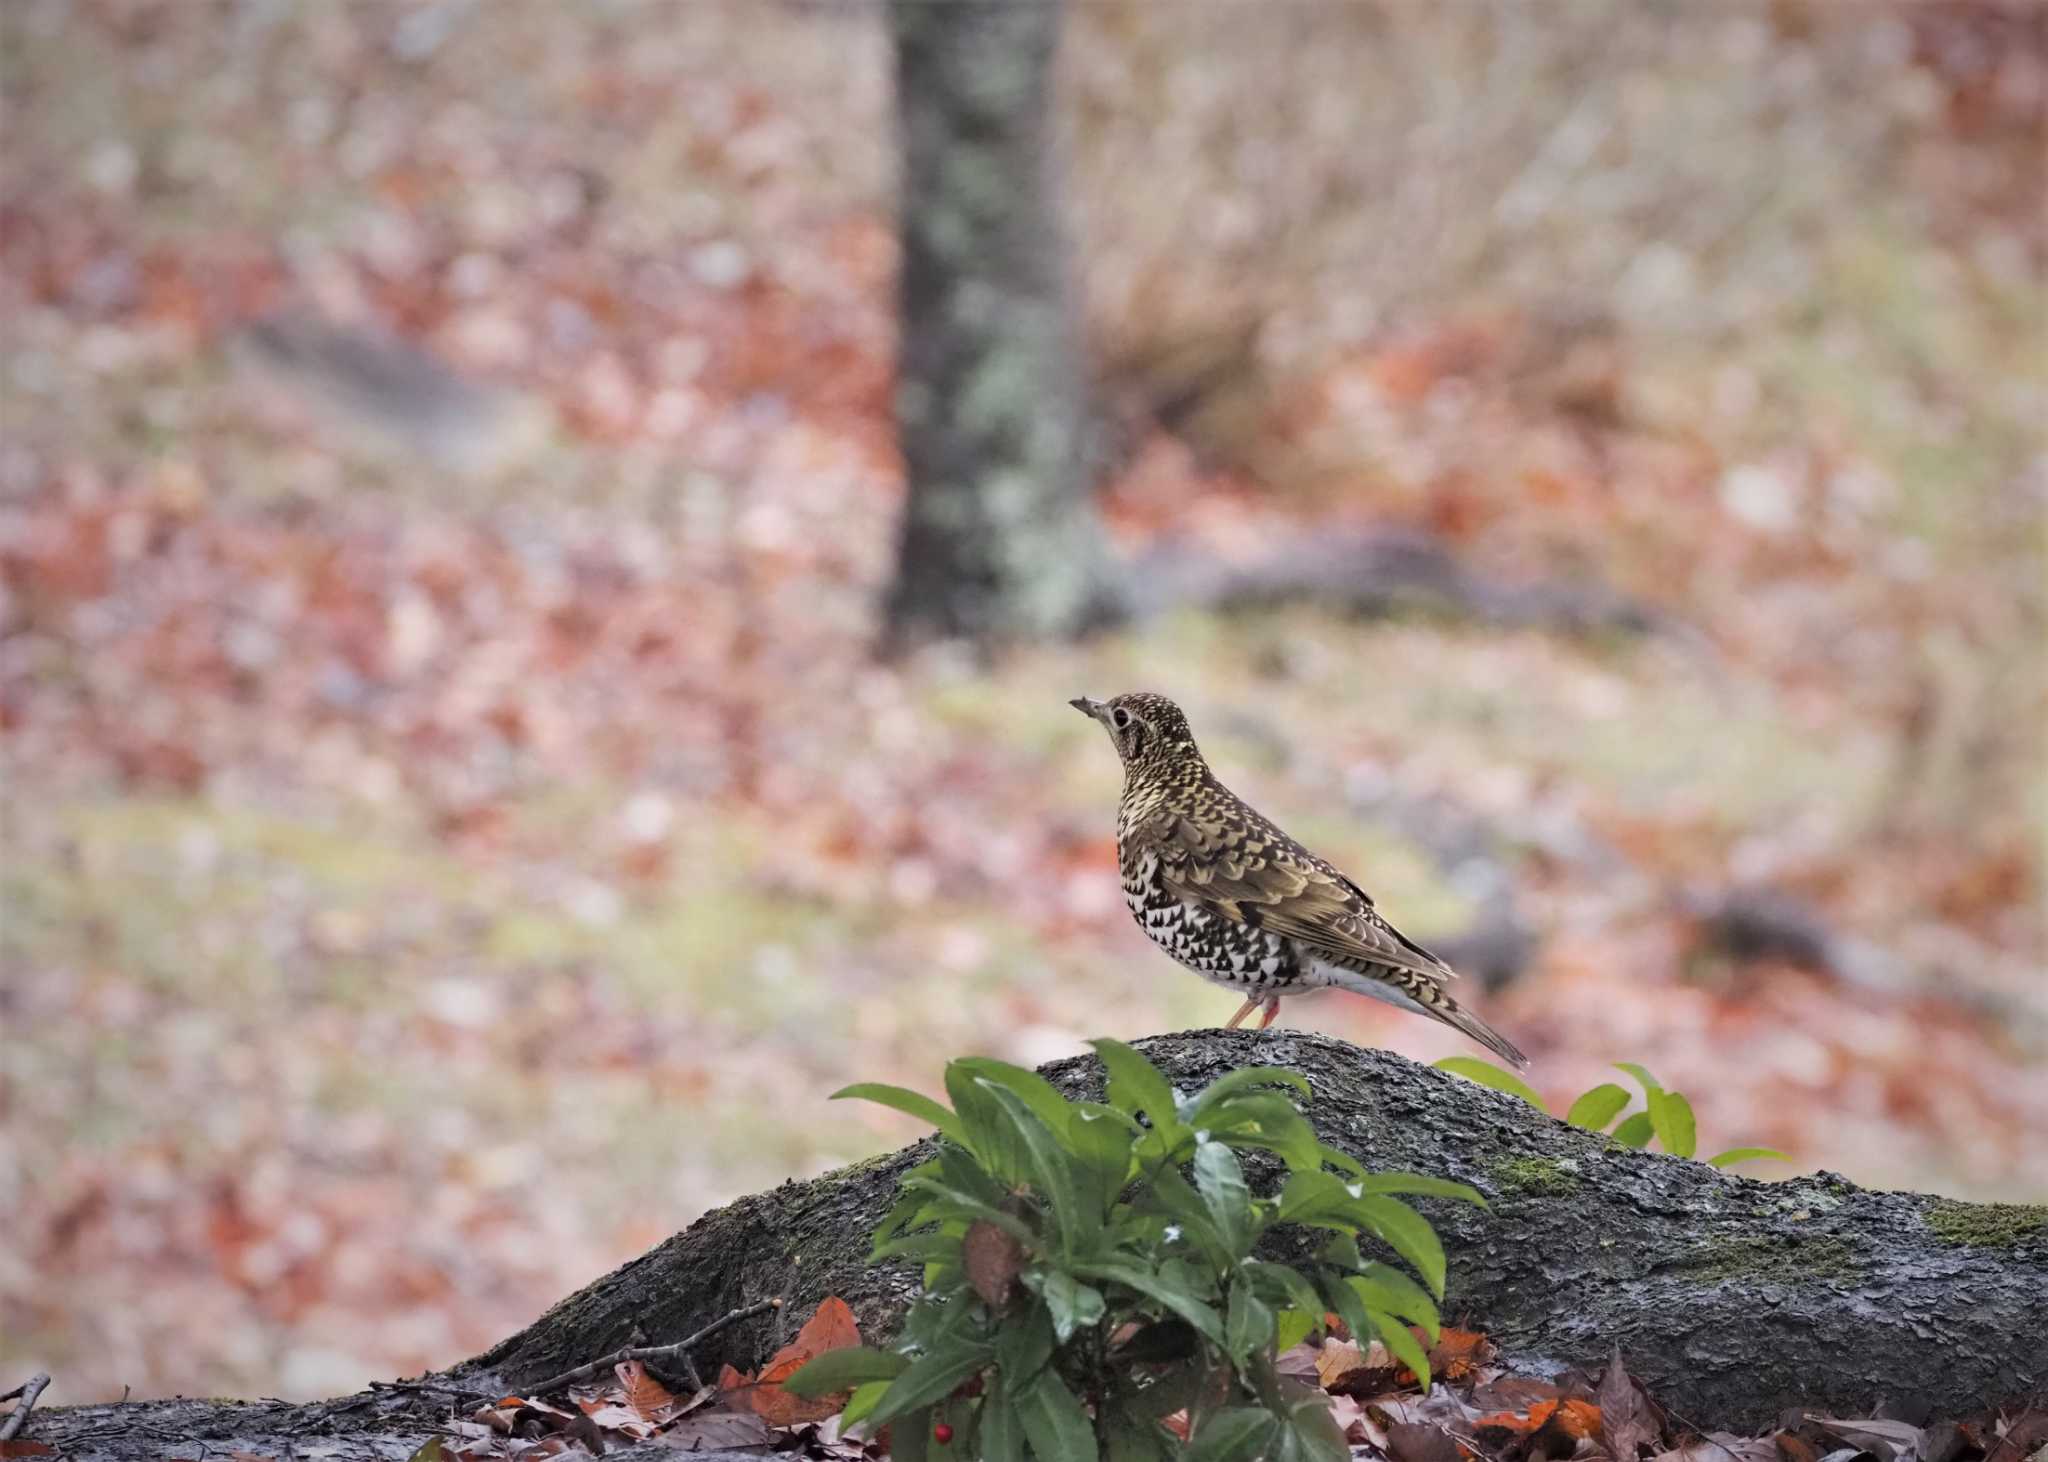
pixel 1149 730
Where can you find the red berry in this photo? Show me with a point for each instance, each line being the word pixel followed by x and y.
pixel 942 1433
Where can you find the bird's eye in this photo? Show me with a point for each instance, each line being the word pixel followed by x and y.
pixel 1122 718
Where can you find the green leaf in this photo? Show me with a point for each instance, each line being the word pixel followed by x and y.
pixel 1053 1420
pixel 1418 1184
pixel 912 1440
pixel 916 1104
pixel 1292 1326
pixel 1172 1196
pixel 1232 1435
pixel 1338 1158
pixel 1284 1285
pixel 1269 1121
pixel 1401 1344
pixel 1075 1220
pixel 1002 1430
pixel 1309 1432
pixel 1024 1344
pixel 1596 1108
pixel 1313 1198
pixel 1219 1178
pixel 842 1370
pixel 930 1379
pixel 862 1402
pixel 1247 1323
pixel 1044 1099
pixel 1231 1082
pixel 1648 1082
pixel 990 1136
pixel 1408 1234
pixel 1072 1304
pixel 1383 1287
pixel 1131 1436
pixel 1176 1297
pixel 952 1203
pixel 959 1168
pixel 1100 1138
pixel 1135 1084
pixel 1671 1116
pixel 922 1247
pixel 1488 1074
pixel 1342 1249
pixel 1338 1295
pixel 1634 1131
pixel 1747 1154
pixel 903 1214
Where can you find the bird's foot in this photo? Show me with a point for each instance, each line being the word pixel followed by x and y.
pixel 1272 1012
pixel 1242 1011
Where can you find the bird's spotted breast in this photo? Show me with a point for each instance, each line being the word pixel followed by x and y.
pixel 1223 950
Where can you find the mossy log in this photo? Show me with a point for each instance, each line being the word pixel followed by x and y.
pixel 1732 1299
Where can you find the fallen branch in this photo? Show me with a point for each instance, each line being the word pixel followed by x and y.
pixel 28 1391
pixel 1384 571
pixel 1733 1300
pixel 678 1350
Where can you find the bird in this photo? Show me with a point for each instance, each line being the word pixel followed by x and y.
pixel 1220 888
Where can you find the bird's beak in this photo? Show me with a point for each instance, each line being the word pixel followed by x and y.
pixel 1087 707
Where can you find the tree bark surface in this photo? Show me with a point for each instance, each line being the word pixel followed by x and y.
pixel 1000 538
pixel 1732 1299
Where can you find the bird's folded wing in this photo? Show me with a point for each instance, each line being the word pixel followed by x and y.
pixel 1255 879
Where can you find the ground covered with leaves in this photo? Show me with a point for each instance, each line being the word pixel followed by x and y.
pixel 456 833
pixel 1474 1411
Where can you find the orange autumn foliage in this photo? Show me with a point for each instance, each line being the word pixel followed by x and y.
pixel 1579 1420
pixel 832 1327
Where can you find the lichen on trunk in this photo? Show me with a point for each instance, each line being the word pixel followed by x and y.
pixel 1000 539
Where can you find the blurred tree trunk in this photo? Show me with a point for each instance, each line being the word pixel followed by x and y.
pixel 999 539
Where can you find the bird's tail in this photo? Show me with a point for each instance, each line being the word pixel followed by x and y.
pixel 1423 994
pixel 1458 1018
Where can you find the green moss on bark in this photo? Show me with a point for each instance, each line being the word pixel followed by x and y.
pixel 1821 1257
pixel 1986 1225
pixel 1543 1176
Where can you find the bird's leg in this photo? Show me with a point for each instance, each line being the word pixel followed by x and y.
pixel 1242 1011
pixel 1272 1012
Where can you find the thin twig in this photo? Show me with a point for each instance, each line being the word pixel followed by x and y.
pixel 425 1388
pixel 680 1349
pixel 18 1417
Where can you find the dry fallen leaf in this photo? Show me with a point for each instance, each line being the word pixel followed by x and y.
pixel 1349 1416
pixel 993 1258
pixel 1301 1361
pixel 1412 1442
pixel 1338 1358
pixel 1346 1369
pixel 654 1401
pixel 1457 1353
pixel 711 1430
pixel 1630 1421
pixel 1722 1447
pixel 1579 1420
pixel 832 1327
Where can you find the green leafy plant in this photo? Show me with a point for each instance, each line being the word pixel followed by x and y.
pixel 1666 1118
pixel 1091 1268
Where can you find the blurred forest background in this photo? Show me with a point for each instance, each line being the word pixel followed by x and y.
pixel 1580 464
